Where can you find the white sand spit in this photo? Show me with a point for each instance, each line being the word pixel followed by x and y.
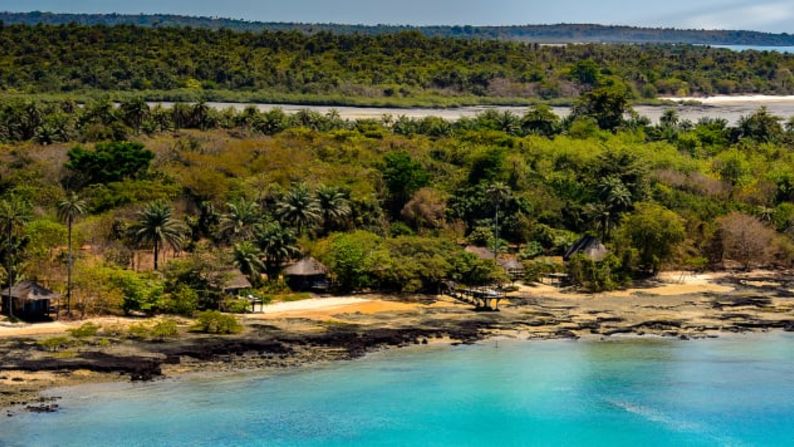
pixel 311 304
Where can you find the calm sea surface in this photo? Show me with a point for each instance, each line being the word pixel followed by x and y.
pixel 756 48
pixel 734 391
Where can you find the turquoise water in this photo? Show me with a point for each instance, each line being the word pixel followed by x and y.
pixel 781 49
pixel 736 391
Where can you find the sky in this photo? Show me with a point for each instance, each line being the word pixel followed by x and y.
pixel 762 15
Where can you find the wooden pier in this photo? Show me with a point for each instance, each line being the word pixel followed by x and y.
pixel 484 299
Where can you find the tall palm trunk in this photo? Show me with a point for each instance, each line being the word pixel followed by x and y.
pixel 496 232
pixel 156 253
pixel 69 266
pixel 9 271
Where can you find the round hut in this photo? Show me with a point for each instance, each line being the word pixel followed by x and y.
pixel 308 274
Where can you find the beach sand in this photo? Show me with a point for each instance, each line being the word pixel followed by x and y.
pixel 322 329
pixel 734 100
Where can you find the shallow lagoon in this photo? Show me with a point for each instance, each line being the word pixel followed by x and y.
pixel 736 390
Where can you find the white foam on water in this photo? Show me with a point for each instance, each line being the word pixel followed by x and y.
pixel 659 417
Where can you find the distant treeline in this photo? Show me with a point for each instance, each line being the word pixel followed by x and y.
pixel 558 33
pixel 69 58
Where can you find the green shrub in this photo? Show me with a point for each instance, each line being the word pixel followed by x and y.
pixel 214 322
pixel 182 301
pixel 86 330
pixel 236 305
pixel 113 330
pixel 536 268
pixel 273 287
pixel 138 331
pixel 531 250
pixel 55 344
pixel 595 276
pixel 165 328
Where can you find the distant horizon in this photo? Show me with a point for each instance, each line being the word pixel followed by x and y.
pixel 396 24
pixel 771 16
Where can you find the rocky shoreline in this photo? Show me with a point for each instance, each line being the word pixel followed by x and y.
pixel 280 342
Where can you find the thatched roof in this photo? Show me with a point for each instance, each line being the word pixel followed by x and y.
pixel 510 263
pixel 306 267
pixel 480 252
pixel 30 291
pixel 236 281
pixel 588 246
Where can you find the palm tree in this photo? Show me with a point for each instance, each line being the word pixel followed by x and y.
pixel 200 115
pixel 334 206
pixel 238 223
pixel 248 259
pixel 298 208
pixel 602 217
pixel 14 213
pixel 134 113
pixel 498 192
pixel 69 209
pixel 278 244
pixel 614 193
pixel 156 225
pixel 614 199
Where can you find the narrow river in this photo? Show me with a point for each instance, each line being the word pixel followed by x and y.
pixel 729 108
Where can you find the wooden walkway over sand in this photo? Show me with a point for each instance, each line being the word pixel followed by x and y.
pixel 483 299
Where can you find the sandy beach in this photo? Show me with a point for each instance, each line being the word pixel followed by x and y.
pixel 680 305
pixel 733 99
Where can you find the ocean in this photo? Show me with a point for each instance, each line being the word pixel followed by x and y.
pixel 731 391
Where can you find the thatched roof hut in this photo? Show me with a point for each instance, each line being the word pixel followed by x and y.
pixel 29 300
pixel 588 246
pixel 307 274
pixel 508 262
pixel 236 282
pixel 307 266
pixel 512 266
pixel 484 253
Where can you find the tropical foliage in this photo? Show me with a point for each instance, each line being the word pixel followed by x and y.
pixel 398 68
pixel 384 204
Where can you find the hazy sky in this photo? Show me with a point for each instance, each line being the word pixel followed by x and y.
pixel 765 15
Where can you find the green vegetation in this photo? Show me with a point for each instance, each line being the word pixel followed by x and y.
pixel 191 193
pixel 85 330
pixel 159 331
pixel 213 322
pixel 401 68
pixel 55 344
pixel 574 33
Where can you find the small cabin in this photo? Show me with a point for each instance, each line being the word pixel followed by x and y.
pixel 515 270
pixel 589 246
pixel 29 300
pixel 308 274
pixel 235 283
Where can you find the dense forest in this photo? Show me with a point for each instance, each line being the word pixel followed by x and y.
pixel 560 33
pixel 402 68
pixel 385 204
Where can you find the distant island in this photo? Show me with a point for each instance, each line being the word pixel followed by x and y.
pixel 401 69
pixel 553 33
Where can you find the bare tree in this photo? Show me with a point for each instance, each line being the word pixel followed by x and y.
pixel 426 209
pixel 746 239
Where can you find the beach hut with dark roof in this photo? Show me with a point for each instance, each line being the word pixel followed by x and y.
pixel 307 274
pixel 589 246
pixel 29 300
